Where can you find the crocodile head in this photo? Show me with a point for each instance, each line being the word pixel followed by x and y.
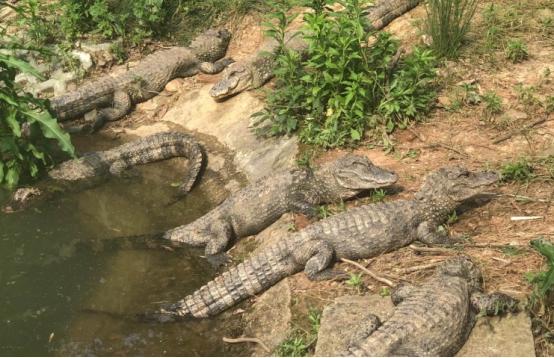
pixel 235 79
pixel 211 45
pixel 22 198
pixel 462 266
pixel 456 183
pixel 351 174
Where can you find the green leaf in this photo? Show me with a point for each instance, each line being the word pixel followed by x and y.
pixel 11 119
pixel 2 165
pixel 20 65
pixel 12 176
pixel 355 135
pixel 51 129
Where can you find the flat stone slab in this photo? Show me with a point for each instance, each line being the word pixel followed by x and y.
pixel 508 336
pixel 229 122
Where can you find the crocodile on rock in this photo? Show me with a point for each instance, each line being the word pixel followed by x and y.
pixel 255 72
pixel 255 207
pixel 86 171
pixel 432 319
pixel 110 97
pixel 361 232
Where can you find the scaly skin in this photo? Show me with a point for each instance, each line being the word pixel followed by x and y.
pixel 86 171
pixel 256 206
pixel 357 233
pixel 433 319
pixel 110 98
pixel 254 73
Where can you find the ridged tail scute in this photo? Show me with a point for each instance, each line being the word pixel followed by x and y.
pixel 245 280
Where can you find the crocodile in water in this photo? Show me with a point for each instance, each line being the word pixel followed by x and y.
pixel 258 205
pixel 86 171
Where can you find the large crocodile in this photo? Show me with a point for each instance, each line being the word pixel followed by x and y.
pixel 433 319
pixel 361 232
pixel 254 73
pixel 256 206
pixel 110 97
pixel 86 171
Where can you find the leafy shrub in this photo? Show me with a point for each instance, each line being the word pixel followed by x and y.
pixel 448 22
pixel 344 86
pixel 516 51
pixel 518 171
pixel 25 126
pixel 493 104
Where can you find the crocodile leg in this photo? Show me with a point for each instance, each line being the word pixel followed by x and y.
pixel 493 304
pixel 363 330
pixel 431 234
pixel 401 292
pixel 320 255
pixel 221 234
pixel 212 68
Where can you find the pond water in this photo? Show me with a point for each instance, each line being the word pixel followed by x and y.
pixel 64 293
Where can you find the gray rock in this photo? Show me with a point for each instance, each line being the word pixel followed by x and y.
pixel 84 58
pixel 508 336
pixel 338 319
pixel 270 318
pixel 228 121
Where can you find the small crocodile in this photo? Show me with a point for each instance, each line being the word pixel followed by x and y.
pixel 361 232
pixel 255 72
pixel 433 319
pixel 256 206
pixel 86 171
pixel 110 97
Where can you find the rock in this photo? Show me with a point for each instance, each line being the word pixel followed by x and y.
pixel 270 318
pixel 84 58
pixel 508 336
pixel 492 336
pixel 174 85
pixel 216 163
pixel 444 101
pixel 339 318
pixel 228 121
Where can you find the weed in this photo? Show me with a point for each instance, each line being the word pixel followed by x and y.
pixel 384 291
pixel 314 316
pixel 293 347
pixel 526 95
pixel 452 218
pixel 521 171
pixel 448 22
pixel 510 250
pixel 516 51
pixel 25 127
pixel 344 87
pixel 378 195
pixel 549 104
pixel 323 212
pixel 544 281
pixel 305 159
pixel 118 51
pixel 355 281
pixel 493 104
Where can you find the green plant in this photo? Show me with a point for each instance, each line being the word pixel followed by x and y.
pixel 378 195
pixel 293 347
pixel 452 218
pixel 37 28
pixel 544 281
pixel 521 171
pixel 355 281
pixel 384 291
pixel 344 87
pixel 448 22
pixel 493 104
pixel 25 127
pixel 118 51
pixel 510 250
pixel 314 316
pixel 526 95
pixel 549 104
pixel 516 51
pixel 323 212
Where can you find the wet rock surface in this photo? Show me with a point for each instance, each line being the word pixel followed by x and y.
pixel 508 336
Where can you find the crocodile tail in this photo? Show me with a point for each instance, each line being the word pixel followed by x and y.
pixel 254 275
pixel 193 151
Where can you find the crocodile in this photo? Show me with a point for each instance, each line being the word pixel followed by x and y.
pixel 86 171
pixel 255 72
pixel 255 207
pixel 360 232
pixel 110 97
pixel 432 319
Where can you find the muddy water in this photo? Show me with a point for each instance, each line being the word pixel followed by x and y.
pixel 64 293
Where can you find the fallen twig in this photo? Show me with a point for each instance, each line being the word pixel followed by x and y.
pixel 437 144
pixel 521 130
pixel 419 268
pixel 526 218
pixel 431 249
pixel 247 340
pixel 521 198
pixel 369 272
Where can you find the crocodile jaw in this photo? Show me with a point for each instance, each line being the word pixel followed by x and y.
pixel 236 79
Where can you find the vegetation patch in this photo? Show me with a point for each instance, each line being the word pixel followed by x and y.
pixel 345 86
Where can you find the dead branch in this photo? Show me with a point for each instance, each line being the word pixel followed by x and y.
pixel 431 249
pixel 247 340
pixel 419 268
pixel 521 130
pixel 369 272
